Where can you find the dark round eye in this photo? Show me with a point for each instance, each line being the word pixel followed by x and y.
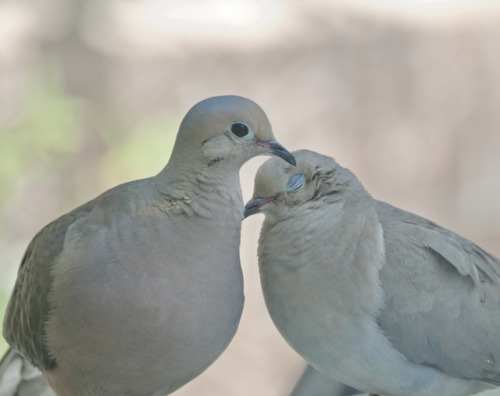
pixel 239 129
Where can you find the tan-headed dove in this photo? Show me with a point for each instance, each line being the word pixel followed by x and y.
pixel 370 295
pixel 139 290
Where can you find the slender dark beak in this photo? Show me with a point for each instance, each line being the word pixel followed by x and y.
pixel 253 206
pixel 277 149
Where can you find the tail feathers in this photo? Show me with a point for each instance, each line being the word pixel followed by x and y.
pixel 19 378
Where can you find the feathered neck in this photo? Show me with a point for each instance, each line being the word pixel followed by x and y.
pixel 198 188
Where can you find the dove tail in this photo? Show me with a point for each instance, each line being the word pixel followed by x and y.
pixel 19 378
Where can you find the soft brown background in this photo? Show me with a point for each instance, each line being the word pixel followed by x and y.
pixel 404 93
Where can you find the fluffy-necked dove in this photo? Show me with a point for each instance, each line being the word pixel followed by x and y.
pixel 139 290
pixel 373 296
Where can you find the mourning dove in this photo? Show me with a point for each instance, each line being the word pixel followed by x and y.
pixel 139 290
pixel 370 295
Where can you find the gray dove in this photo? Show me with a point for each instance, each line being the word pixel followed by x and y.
pixel 139 290
pixel 375 297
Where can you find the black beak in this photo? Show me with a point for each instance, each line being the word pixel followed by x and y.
pixel 253 206
pixel 277 149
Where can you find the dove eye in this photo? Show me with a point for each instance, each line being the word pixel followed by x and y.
pixel 241 130
pixel 295 183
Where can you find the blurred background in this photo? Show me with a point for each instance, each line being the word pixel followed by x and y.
pixel 404 93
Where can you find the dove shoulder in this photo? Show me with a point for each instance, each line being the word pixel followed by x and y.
pixel 26 314
pixel 28 309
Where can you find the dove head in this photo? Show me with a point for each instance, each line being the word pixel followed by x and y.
pixel 279 187
pixel 222 130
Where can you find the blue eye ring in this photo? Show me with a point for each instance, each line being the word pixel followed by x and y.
pixel 295 183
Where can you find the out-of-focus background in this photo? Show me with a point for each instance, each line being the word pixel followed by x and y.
pixel 404 93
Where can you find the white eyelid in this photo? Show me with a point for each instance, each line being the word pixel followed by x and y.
pixel 295 183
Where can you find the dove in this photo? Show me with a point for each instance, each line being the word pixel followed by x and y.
pixel 370 295
pixel 139 290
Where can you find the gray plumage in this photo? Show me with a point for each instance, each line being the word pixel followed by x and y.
pixel 312 383
pixel 373 296
pixel 139 290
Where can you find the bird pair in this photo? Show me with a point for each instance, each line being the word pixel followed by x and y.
pixel 139 290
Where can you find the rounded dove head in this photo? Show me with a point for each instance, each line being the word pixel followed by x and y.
pixel 280 187
pixel 225 128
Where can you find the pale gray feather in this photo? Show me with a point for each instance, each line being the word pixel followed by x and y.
pixel 441 295
pixel 28 307
pixel 18 377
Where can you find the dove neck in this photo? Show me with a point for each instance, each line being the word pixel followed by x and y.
pixel 201 187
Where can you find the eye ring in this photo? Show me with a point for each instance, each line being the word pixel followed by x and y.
pixel 295 183
pixel 241 130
